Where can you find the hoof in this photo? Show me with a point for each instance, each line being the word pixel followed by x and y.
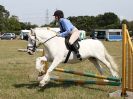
pixel 41 85
pixel 116 75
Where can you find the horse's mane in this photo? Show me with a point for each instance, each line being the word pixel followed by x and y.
pixel 41 30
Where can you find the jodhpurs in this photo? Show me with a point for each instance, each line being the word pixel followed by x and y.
pixel 74 36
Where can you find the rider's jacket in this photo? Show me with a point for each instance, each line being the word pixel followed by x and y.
pixel 66 27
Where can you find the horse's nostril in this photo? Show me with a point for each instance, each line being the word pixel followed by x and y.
pixel 29 52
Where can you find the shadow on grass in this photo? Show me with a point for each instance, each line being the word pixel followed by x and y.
pixel 35 85
pixel 67 85
pixel 30 85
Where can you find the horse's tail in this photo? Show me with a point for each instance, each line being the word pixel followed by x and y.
pixel 111 61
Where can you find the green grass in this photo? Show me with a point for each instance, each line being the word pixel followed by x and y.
pixel 18 75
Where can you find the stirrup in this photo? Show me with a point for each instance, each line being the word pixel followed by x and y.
pixel 79 56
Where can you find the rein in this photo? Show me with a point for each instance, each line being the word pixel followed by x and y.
pixel 43 42
pixel 49 39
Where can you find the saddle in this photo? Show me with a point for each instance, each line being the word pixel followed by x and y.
pixel 74 47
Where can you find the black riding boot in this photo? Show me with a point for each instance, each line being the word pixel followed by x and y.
pixel 75 49
pixel 78 55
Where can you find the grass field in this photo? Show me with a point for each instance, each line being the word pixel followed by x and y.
pixel 18 75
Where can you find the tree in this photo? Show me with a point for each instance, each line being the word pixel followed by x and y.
pixel 86 23
pixel 4 14
pixel 124 21
pixel 108 20
pixel 13 24
pixel 131 25
pixel 27 25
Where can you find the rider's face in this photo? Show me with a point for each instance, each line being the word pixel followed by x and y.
pixel 56 18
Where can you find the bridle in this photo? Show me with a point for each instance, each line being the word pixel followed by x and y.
pixel 34 45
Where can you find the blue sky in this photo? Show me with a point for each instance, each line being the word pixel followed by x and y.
pixel 34 11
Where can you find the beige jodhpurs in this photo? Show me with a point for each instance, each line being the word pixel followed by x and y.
pixel 74 35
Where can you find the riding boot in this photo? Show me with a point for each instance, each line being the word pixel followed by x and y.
pixel 78 55
pixel 75 49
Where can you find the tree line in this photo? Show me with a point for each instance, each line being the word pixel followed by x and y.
pixel 11 23
pixel 108 20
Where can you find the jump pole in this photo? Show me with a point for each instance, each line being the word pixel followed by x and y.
pixel 87 74
pixel 25 50
pixel 111 83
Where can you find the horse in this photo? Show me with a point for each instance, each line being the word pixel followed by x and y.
pixel 56 52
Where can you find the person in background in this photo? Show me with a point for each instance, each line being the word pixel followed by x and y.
pixel 67 30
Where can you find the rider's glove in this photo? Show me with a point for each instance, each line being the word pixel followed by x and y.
pixel 58 35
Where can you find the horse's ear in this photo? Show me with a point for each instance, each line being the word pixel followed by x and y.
pixel 32 32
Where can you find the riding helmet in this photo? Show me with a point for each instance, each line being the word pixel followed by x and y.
pixel 59 13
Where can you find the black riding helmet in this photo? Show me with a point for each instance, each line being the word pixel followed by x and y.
pixel 59 13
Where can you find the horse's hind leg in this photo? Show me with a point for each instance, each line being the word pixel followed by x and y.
pixel 97 65
pixel 107 63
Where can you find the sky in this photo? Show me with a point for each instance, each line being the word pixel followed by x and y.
pixel 37 11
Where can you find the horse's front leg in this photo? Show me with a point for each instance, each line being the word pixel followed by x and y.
pixel 46 78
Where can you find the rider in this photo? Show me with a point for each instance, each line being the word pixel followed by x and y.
pixel 67 30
